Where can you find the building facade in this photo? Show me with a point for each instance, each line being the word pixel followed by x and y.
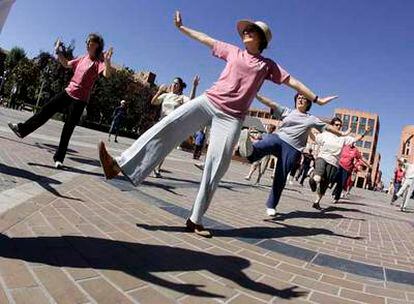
pixel 406 149
pixel 358 122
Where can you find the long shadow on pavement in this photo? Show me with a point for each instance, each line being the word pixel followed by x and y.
pixel 67 169
pixel 310 214
pixel 43 181
pixel 139 260
pixel 258 232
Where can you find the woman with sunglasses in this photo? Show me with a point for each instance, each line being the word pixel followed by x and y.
pixel 75 97
pixel 327 160
pixel 224 106
pixel 287 144
pixel 170 98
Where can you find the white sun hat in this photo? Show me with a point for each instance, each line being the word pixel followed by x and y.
pixel 242 24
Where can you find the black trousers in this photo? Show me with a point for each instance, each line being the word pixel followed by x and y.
pixel 197 151
pixel 58 103
pixel 326 172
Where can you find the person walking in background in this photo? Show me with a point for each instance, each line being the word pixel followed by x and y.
pixel 118 117
pixel 308 161
pixel 399 175
pixel 408 180
pixel 170 98
pixel 200 138
pixel 75 97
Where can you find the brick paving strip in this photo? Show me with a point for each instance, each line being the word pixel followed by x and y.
pixel 86 241
pixel 361 269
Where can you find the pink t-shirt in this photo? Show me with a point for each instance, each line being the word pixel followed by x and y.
pixel 349 155
pixel 241 79
pixel 85 72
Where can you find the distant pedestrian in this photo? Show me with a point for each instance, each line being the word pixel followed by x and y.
pixel 118 118
pixel 200 138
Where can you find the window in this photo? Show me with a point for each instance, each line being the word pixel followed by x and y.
pixel 371 123
pixel 362 125
pixel 407 146
pixel 367 145
pixel 359 143
pixel 366 156
pixel 345 123
pixel 354 123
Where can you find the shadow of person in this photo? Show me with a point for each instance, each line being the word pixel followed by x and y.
pixel 258 232
pixel 311 214
pixel 67 169
pixel 139 260
pixel 43 181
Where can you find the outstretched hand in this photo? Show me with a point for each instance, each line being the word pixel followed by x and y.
pixel 324 100
pixel 178 21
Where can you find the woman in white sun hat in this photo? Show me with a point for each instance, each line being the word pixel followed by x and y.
pixel 224 106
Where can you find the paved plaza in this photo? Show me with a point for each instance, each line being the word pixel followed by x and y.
pixel 69 236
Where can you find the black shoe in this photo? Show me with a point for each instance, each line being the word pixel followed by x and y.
pixel 312 184
pixel 15 129
pixel 157 174
pixel 316 206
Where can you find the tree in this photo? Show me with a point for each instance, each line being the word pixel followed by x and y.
pixel 13 57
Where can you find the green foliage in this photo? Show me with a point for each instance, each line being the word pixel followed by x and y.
pixel 13 57
pixel 26 76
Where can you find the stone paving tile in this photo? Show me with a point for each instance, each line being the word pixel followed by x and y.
pixel 150 295
pixel 29 296
pixel 59 286
pixel 102 292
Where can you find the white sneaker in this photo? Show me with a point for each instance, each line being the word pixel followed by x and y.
pixel 245 144
pixel 58 165
pixel 271 211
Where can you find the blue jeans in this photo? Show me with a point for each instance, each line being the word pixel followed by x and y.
pixel 287 157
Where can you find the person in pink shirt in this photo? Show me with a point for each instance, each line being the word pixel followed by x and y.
pixel 350 158
pixel 75 97
pixel 399 175
pixel 224 106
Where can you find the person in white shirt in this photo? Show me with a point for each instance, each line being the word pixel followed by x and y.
pixel 327 160
pixel 170 98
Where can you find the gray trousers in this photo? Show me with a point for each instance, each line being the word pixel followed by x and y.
pixel 139 160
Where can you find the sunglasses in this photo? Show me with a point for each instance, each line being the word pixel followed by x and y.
pixel 338 125
pixel 249 29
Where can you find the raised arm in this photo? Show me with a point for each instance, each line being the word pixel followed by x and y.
pixel 277 108
pixel 304 90
pixel 161 90
pixel 267 102
pixel 63 61
pixel 199 36
pixel 196 81
pixel 107 61
pixel 361 136
pixel 335 131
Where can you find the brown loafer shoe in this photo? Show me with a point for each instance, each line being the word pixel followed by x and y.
pixel 197 229
pixel 109 165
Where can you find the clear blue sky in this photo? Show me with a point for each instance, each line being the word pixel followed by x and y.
pixel 360 50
